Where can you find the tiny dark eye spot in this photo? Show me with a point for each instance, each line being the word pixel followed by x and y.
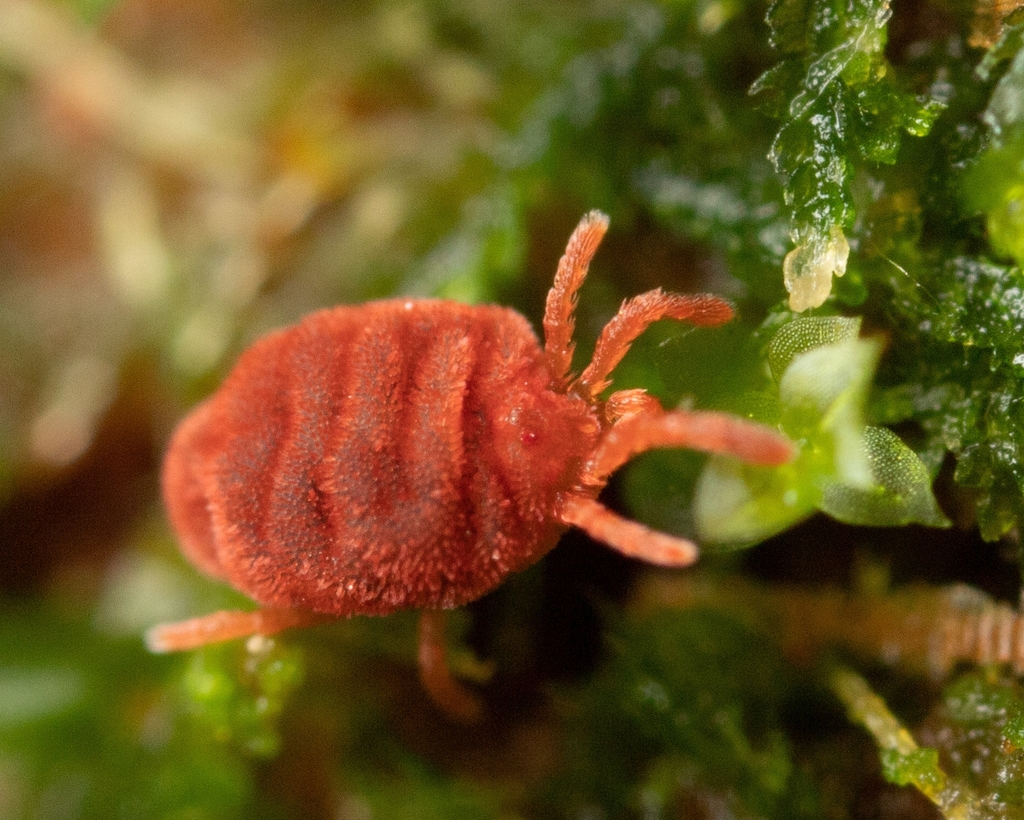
pixel 529 437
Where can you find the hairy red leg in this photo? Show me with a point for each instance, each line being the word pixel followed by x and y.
pixel 559 323
pixel 448 693
pixel 624 403
pixel 628 537
pixel 633 318
pixel 226 626
pixel 707 431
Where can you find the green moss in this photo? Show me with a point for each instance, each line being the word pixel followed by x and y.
pixel 237 694
pixel 419 792
pixel 975 727
pixel 841 103
pixel 89 726
pixel 918 768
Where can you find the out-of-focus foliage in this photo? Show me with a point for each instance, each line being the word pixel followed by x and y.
pixel 976 729
pixel 674 722
pixel 974 765
pixel 177 178
pixel 94 727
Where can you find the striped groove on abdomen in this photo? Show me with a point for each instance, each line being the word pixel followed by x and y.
pixel 353 473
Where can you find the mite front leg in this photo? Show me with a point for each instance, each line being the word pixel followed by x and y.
pixel 561 303
pixel 707 431
pixel 447 693
pixel 226 626
pixel 633 318
pixel 633 402
pixel 628 537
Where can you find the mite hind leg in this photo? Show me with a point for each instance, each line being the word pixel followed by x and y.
pixel 226 626
pixel 451 696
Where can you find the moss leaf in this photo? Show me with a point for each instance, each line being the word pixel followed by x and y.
pixel 858 474
pixel 900 492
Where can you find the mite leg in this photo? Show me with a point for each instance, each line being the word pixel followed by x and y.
pixel 447 693
pixel 561 303
pixel 628 537
pixel 633 318
pixel 226 626
pixel 624 403
pixel 706 431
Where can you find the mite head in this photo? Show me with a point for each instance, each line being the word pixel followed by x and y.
pixel 545 436
pixel 530 435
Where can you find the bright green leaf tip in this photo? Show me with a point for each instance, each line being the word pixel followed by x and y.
pixel 918 768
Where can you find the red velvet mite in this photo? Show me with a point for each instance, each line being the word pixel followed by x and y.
pixel 412 453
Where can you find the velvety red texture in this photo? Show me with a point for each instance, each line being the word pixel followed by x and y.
pixel 403 453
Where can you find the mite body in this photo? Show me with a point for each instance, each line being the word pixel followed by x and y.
pixel 414 453
pixel 398 454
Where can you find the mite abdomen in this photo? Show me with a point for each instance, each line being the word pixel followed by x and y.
pixel 347 464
